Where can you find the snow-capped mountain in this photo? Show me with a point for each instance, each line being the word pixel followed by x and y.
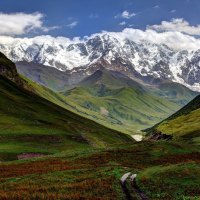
pixel 110 51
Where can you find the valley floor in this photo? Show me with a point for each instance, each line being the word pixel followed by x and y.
pixel 166 170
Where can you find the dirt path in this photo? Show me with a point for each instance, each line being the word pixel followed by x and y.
pixel 132 178
pixel 124 186
pixel 136 187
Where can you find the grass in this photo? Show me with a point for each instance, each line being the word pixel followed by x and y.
pixel 72 106
pixel 121 101
pixel 181 181
pixel 184 124
pixel 95 173
pixel 44 75
pixel 117 102
pixel 25 117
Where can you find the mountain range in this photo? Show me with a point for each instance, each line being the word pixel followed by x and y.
pixel 143 60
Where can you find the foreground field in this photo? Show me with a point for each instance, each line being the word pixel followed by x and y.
pixel 165 171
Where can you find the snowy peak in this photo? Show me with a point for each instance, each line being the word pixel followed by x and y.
pixel 118 53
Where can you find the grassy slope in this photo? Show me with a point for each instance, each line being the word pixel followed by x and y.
pixel 122 101
pixel 125 106
pixel 29 123
pixel 72 106
pixel 165 171
pixel 183 124
pixel 175 92
pixel 44 75
pixel 181 181
pixel 112 99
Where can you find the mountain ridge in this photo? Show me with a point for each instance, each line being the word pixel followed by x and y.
pixel 124 55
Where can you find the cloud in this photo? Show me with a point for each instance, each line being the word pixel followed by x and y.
pixel 125 15
pixel 156 6
pixel 174 39
pixel 93 16
pixel 47 29
pixel 122 23
pixel 173 11
pixel 21 23
pixel 72 24
pixel 179 25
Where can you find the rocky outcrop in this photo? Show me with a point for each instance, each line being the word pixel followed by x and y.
pixel 160 136
pixel 8 70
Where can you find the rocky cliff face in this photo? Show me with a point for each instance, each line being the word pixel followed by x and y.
pixel 8 70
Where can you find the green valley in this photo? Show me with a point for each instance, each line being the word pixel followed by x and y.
pixel 30 123
pixel 124 102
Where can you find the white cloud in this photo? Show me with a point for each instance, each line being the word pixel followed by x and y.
pixel 125 15
pixel 47 29
pixel 174 39
pixel 93 16
pixel 156 6
pixel 72 24
pixel 21 23
pixel 122 23
pixel 173 11
pixel 179 25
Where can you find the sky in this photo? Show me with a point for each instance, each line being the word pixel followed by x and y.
pixel 175 23
pixel 78 18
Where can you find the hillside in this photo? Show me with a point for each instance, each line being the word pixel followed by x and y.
pixel 8 70
pixel 47 76
pixel 184 124
pixel 125 102
pixel 105 96
pixel 31 124
pixel 174 92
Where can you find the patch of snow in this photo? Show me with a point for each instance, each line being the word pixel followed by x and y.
pixel 137 138
pixel 104 111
